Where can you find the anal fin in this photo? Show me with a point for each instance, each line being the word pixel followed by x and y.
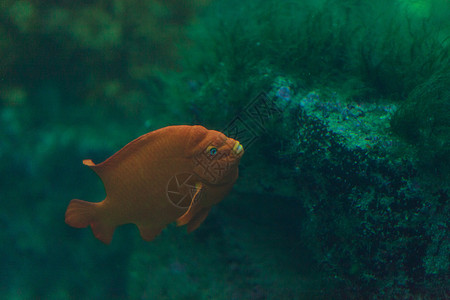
pixel 149 233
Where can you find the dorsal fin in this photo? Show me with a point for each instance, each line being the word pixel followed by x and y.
pixel 98 170
pixel 139 151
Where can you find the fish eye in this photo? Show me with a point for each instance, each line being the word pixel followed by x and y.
pixel 213 151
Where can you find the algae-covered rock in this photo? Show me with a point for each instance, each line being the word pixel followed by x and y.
pixel 371 221
pixel 372 225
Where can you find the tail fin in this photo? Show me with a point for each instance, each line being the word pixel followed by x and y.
pixel 81 214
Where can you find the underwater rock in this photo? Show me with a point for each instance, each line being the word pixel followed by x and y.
pixel 366 208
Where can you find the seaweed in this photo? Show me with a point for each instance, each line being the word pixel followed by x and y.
pixel 360 45
pixel 423 121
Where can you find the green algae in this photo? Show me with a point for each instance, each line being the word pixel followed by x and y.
pixel 424 122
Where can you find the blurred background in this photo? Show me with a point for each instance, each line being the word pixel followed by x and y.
pixel 343 192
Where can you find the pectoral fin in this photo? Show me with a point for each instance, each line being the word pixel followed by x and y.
pixel 198 219
pixel 193 207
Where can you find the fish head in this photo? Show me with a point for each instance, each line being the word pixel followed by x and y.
pixel 215 157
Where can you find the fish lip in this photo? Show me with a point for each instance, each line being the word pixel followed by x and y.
pixel 238 149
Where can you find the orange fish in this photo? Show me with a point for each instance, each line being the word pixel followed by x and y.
pixel 176 173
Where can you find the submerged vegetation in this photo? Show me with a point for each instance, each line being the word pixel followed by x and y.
pixel 351 172
pixel 372 51
pixel 423 121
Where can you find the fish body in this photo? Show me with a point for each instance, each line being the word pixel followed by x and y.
pixel 176 173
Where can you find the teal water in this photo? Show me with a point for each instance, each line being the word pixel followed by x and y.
pixel 342 107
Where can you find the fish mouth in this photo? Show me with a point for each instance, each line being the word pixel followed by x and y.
pixel 238 149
